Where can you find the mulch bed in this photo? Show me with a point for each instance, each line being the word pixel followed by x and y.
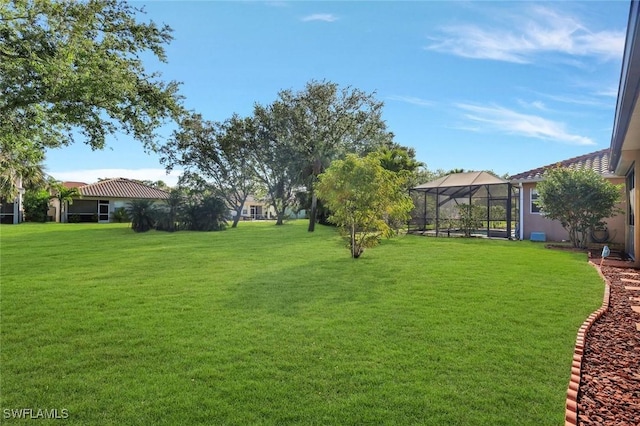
pixel 610 380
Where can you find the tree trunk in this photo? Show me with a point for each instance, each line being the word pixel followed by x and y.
pixel 237 217
pixel 313 212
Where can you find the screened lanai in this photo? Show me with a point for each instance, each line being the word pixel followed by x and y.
pixel 471 204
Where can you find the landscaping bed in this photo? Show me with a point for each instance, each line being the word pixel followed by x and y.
pixel 610 380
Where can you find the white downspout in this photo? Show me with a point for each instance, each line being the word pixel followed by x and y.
pixel 521 222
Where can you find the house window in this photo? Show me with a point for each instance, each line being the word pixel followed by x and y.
pixel 244 212
pixel 534 198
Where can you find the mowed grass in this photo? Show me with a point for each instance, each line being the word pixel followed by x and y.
pixel 275 325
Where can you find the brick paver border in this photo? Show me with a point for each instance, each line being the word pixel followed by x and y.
pixel 571 407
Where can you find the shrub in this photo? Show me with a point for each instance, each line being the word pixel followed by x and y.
pixel 208 213
pixel 36 204
pixel 471 217
pixel 142 214
pixel 120 215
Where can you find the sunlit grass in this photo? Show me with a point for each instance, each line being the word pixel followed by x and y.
pixel 273 325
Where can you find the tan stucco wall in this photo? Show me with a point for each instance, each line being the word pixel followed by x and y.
pixel 536 222
pixel 633 157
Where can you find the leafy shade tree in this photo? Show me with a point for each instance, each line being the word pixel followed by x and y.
pixel 74 68
pixel 63 194
pixel 275 157
pixel 36 204
pixel 364 199
pixel 216 155
pixel 143 215
pixel 327 122
pixel 579 198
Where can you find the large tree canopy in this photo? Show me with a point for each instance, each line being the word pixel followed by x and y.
pixel 327 122
pixel 218 155
pixel 70 68
pixel 579 198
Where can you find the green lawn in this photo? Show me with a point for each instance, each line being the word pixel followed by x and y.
pixel 274 325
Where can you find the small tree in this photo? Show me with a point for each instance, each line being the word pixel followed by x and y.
pixel 64 195
pixel 471 216
pixel 142 214
pixel 579 198
pixel 365 199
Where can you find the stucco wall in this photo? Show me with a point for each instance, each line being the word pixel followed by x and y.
pixel 536 222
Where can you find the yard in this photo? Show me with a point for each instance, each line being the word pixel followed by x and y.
pixel 274 325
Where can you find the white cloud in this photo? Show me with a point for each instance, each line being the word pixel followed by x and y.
pixel 508 121
pixel 539 30
pixel 539 105
pixel 324 17
pixel 92 175
pixel 611 91
pixel 411 100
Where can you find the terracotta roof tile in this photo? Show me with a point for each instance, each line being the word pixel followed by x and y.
pixel 597 161
pixel 122 188
pixel 72 184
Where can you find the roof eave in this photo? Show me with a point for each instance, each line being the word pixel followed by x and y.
pixel 628 88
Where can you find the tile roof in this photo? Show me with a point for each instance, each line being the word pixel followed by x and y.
pixel 597 161
pixel 72 184
pixel 122 188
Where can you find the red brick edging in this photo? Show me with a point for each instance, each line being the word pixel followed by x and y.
pixel 571 412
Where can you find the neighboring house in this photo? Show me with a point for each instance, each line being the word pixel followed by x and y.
pixel 625 140
pixel 12 211
pixel 253 208
pixel 98 200
pixel 533 221
pixel 54 214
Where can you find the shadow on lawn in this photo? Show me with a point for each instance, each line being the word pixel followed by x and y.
pixel 309 287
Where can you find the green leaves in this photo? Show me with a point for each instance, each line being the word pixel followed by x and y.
pixel 579 198
pixel 365 199
pixel 67 65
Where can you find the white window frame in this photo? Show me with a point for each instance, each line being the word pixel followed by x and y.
pixel 533 192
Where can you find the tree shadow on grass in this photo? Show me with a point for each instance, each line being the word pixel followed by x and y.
pixel 309 287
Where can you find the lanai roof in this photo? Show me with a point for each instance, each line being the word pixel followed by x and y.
pixel 460 184
pixel 122 188
pixel 463 179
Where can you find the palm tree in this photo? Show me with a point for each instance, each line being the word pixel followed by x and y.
pixel 63 194
pixel 142 214
pixel 17 172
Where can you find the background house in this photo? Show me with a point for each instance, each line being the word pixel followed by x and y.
pixel 11 211
pixel 533 221
pixel 98 200
pixel 254 208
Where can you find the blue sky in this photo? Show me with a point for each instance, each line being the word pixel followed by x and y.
pixel 504 86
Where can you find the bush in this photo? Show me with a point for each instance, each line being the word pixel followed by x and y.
pixel 471 217
pixel 36 205
pixel 206 214
pixel 142 214
pixel 120 215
